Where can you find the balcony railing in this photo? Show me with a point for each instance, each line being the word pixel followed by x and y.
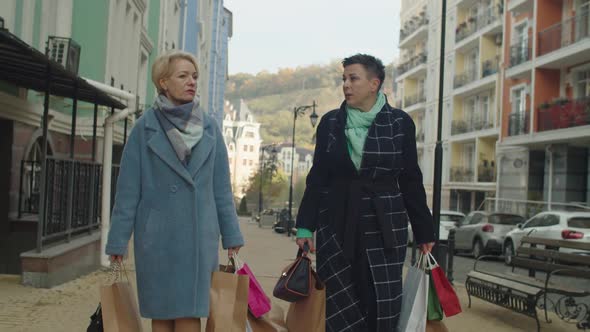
pixel 414 99
pixel 461 126
pixel 519 54
pixel 476 23
pixel 490 67
pixel 466 77
pixel 461 174
pixel 412 63
pixel 518 124
pixel 563 34
pixel 412 25
pixel 564 113
pixel 486 172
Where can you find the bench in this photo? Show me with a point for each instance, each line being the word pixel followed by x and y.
pixel 524 294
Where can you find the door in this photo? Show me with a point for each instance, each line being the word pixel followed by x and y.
pixel 550 227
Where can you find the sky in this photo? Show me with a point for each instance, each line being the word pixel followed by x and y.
pixel 273 34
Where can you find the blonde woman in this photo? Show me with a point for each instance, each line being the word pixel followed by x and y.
pixel 174 195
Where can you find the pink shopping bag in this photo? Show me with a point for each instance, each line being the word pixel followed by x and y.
pixel 258 302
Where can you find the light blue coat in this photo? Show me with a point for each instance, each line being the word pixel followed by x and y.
pixel 177 214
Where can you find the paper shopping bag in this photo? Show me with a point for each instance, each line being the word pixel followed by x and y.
pixel 414 299
pixel 228 302
pixel 273 321
pixel 258 302
pixel 119 308
pixel 435 311
pixel 309 313
pixel 446 294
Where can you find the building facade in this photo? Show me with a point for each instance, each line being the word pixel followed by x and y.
pixel 302 160
pixel 242 139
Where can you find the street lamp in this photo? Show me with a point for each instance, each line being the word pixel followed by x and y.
pixel 300 110
pixel 273 153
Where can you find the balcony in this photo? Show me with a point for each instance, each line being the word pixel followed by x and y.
pixel 563 113
pixel 465 77
pixel 461 174
pixel 563 34
pixel 459 127
pixel 414 99
pixel 414 62
pixel 413 31
pixel 520 6
pixel 518 123
pixel 519 54
pixel 486 172
pixel 476 23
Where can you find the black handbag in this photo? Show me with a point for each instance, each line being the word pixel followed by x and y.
pixel 295 281
pixel 96 321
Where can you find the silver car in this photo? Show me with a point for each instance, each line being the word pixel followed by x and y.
pixel 448 221
pixel 483 232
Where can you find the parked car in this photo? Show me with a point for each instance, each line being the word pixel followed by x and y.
pixel 483 232
pixel 556 225
pixel 448 221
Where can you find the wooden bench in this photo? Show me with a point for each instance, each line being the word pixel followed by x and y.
pixel 524 294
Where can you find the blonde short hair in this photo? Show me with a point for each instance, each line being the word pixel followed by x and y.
pixel 162 67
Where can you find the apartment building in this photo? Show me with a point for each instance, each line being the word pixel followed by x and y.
pixel 544 148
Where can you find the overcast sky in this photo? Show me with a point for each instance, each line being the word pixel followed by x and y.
pixel 273 34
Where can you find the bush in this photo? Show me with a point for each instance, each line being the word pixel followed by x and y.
pixel 243 209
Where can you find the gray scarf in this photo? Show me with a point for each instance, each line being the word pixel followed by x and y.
pixel 183 125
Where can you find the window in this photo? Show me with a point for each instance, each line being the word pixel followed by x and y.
pixel 245 148
pixel 249 134
pixel 476 219
pixel 468 155
pixel 550 220
pixel 583 84
pixel 535 222
pixel 519 100
pixel 579 222
pixel 251 148
pixel 250 162
pixel 469 110
pixel 244 162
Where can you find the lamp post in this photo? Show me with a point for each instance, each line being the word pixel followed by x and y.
pixel 298 110
pixel 273 152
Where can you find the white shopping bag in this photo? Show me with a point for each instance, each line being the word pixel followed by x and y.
pixel 415 298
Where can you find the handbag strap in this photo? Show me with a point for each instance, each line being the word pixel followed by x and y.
pixel 304 251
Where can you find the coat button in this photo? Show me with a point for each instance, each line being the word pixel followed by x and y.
pixel 173 188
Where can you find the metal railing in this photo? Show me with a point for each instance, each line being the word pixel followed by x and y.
pixel 461 174
pixel 412 25
pixel 466 77
pixel 519 54
pixel 518 123
pixel 461 126
pixel 476 23
pixel 412 63
pixel 29 189
pixel 486 173
pixel 564 114
pixel 565 33
pixel 526 208
pixel 414 99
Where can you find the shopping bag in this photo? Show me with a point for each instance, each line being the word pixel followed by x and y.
pixel 436 326
pixel 272 321
pixel 258 302
pixel 435 311
pixel 118 304
pixel 309 313
pixel 446 294
pixel 415 298
pixel 228 302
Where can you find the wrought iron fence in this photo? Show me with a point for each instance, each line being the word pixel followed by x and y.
pixel 412 63
pixel 519 53
pixel 412 25
pixel 414 99
pixel 461 126
pixel 568 32
pixel 476 23
pixel 461 174
pixel 466 77
pixel 518 123
pixel 564 113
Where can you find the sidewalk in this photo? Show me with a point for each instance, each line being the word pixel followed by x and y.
pixel 68 307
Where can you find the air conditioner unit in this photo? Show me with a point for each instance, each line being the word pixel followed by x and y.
pixel 64 51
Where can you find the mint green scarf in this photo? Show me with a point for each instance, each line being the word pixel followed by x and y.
pixel 357 128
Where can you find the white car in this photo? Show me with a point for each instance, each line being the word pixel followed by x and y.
pixel 555 225
pixel 448 221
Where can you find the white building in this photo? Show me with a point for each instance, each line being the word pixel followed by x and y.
pixel 242 139
pixel 303 160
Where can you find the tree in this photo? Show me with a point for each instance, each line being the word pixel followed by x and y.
pixel 273 185
pixel 243 209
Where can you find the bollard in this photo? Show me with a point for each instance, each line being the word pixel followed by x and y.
pixel 451 254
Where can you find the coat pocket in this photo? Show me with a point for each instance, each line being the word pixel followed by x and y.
pixel 151 230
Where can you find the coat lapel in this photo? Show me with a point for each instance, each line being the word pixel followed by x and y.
pixel 160 145
pixel 202 150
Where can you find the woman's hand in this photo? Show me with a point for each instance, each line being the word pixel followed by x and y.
pixel 426 248
pixel 232 251
pixel 303 240
pixel 116 258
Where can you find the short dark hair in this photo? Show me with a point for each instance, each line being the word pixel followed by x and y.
pixel 373 65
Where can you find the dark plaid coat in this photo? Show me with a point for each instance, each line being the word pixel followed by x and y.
pixel 329 202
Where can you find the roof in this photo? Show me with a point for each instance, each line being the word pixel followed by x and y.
pixel 26 67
